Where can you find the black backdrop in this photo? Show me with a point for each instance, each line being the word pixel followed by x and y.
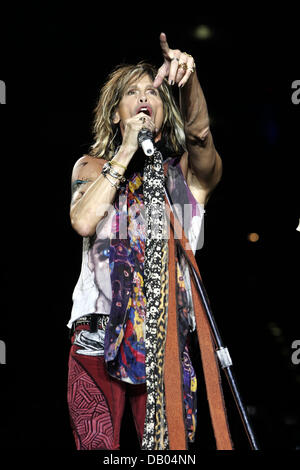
pixel 54 60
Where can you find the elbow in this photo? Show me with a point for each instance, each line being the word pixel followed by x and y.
pixel 82 227
pixel 85 222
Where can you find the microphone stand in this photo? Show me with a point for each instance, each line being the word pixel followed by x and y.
pixel 222 352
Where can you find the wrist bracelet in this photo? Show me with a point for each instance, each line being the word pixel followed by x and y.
pixel 113 162
pixel 107 169
pixel 115 184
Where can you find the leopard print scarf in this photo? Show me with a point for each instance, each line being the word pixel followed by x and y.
pixel 156 281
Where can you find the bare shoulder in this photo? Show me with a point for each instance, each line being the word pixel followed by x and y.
pixel 87 167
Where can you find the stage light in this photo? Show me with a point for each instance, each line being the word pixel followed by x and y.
pixel 275 329
pixel 203 32
pixel 253 237
pixel 298 228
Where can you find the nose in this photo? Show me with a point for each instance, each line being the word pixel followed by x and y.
pixel 143 98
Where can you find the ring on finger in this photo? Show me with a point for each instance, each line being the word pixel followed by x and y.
pixel 191 69
pixel 182 65
pixel 143 119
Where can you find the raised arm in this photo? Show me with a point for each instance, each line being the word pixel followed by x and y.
pixel 202 167
pixel 204 160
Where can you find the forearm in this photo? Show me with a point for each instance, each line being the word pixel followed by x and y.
pixel 199 140
pixel 194 109
pixel 93 206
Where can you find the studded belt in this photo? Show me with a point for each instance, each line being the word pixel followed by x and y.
pixel 94 321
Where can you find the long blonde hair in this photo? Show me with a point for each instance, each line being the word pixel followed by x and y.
pixel 107 136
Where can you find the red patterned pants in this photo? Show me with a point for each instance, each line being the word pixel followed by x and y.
pixel 96 403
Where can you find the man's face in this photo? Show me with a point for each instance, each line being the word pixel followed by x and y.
pixel 141 96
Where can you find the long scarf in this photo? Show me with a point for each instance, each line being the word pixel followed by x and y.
pixel 156 281
pixel 140 283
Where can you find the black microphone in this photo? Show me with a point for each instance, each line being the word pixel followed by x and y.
pixel 145 140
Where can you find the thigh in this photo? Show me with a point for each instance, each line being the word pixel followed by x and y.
pixel 96 403
pixel 138 397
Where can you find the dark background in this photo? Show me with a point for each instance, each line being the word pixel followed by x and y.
pixel 54 61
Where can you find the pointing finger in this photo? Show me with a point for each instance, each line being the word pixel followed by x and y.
pixel 164 44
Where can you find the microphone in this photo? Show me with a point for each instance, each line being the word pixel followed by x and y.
pixel 145 140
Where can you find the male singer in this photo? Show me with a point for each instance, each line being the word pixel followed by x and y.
pixel 133 306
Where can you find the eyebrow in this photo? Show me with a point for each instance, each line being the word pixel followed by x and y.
pixel 134 87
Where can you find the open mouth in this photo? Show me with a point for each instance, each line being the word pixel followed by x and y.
pixel 145 109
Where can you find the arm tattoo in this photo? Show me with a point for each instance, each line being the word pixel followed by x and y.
pixel 77 184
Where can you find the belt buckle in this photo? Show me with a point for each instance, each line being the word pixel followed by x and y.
pixel 103 319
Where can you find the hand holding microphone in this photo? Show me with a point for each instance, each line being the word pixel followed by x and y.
pixel 137 132
pixel 145 140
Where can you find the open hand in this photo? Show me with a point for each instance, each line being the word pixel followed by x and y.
pixel 177 67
